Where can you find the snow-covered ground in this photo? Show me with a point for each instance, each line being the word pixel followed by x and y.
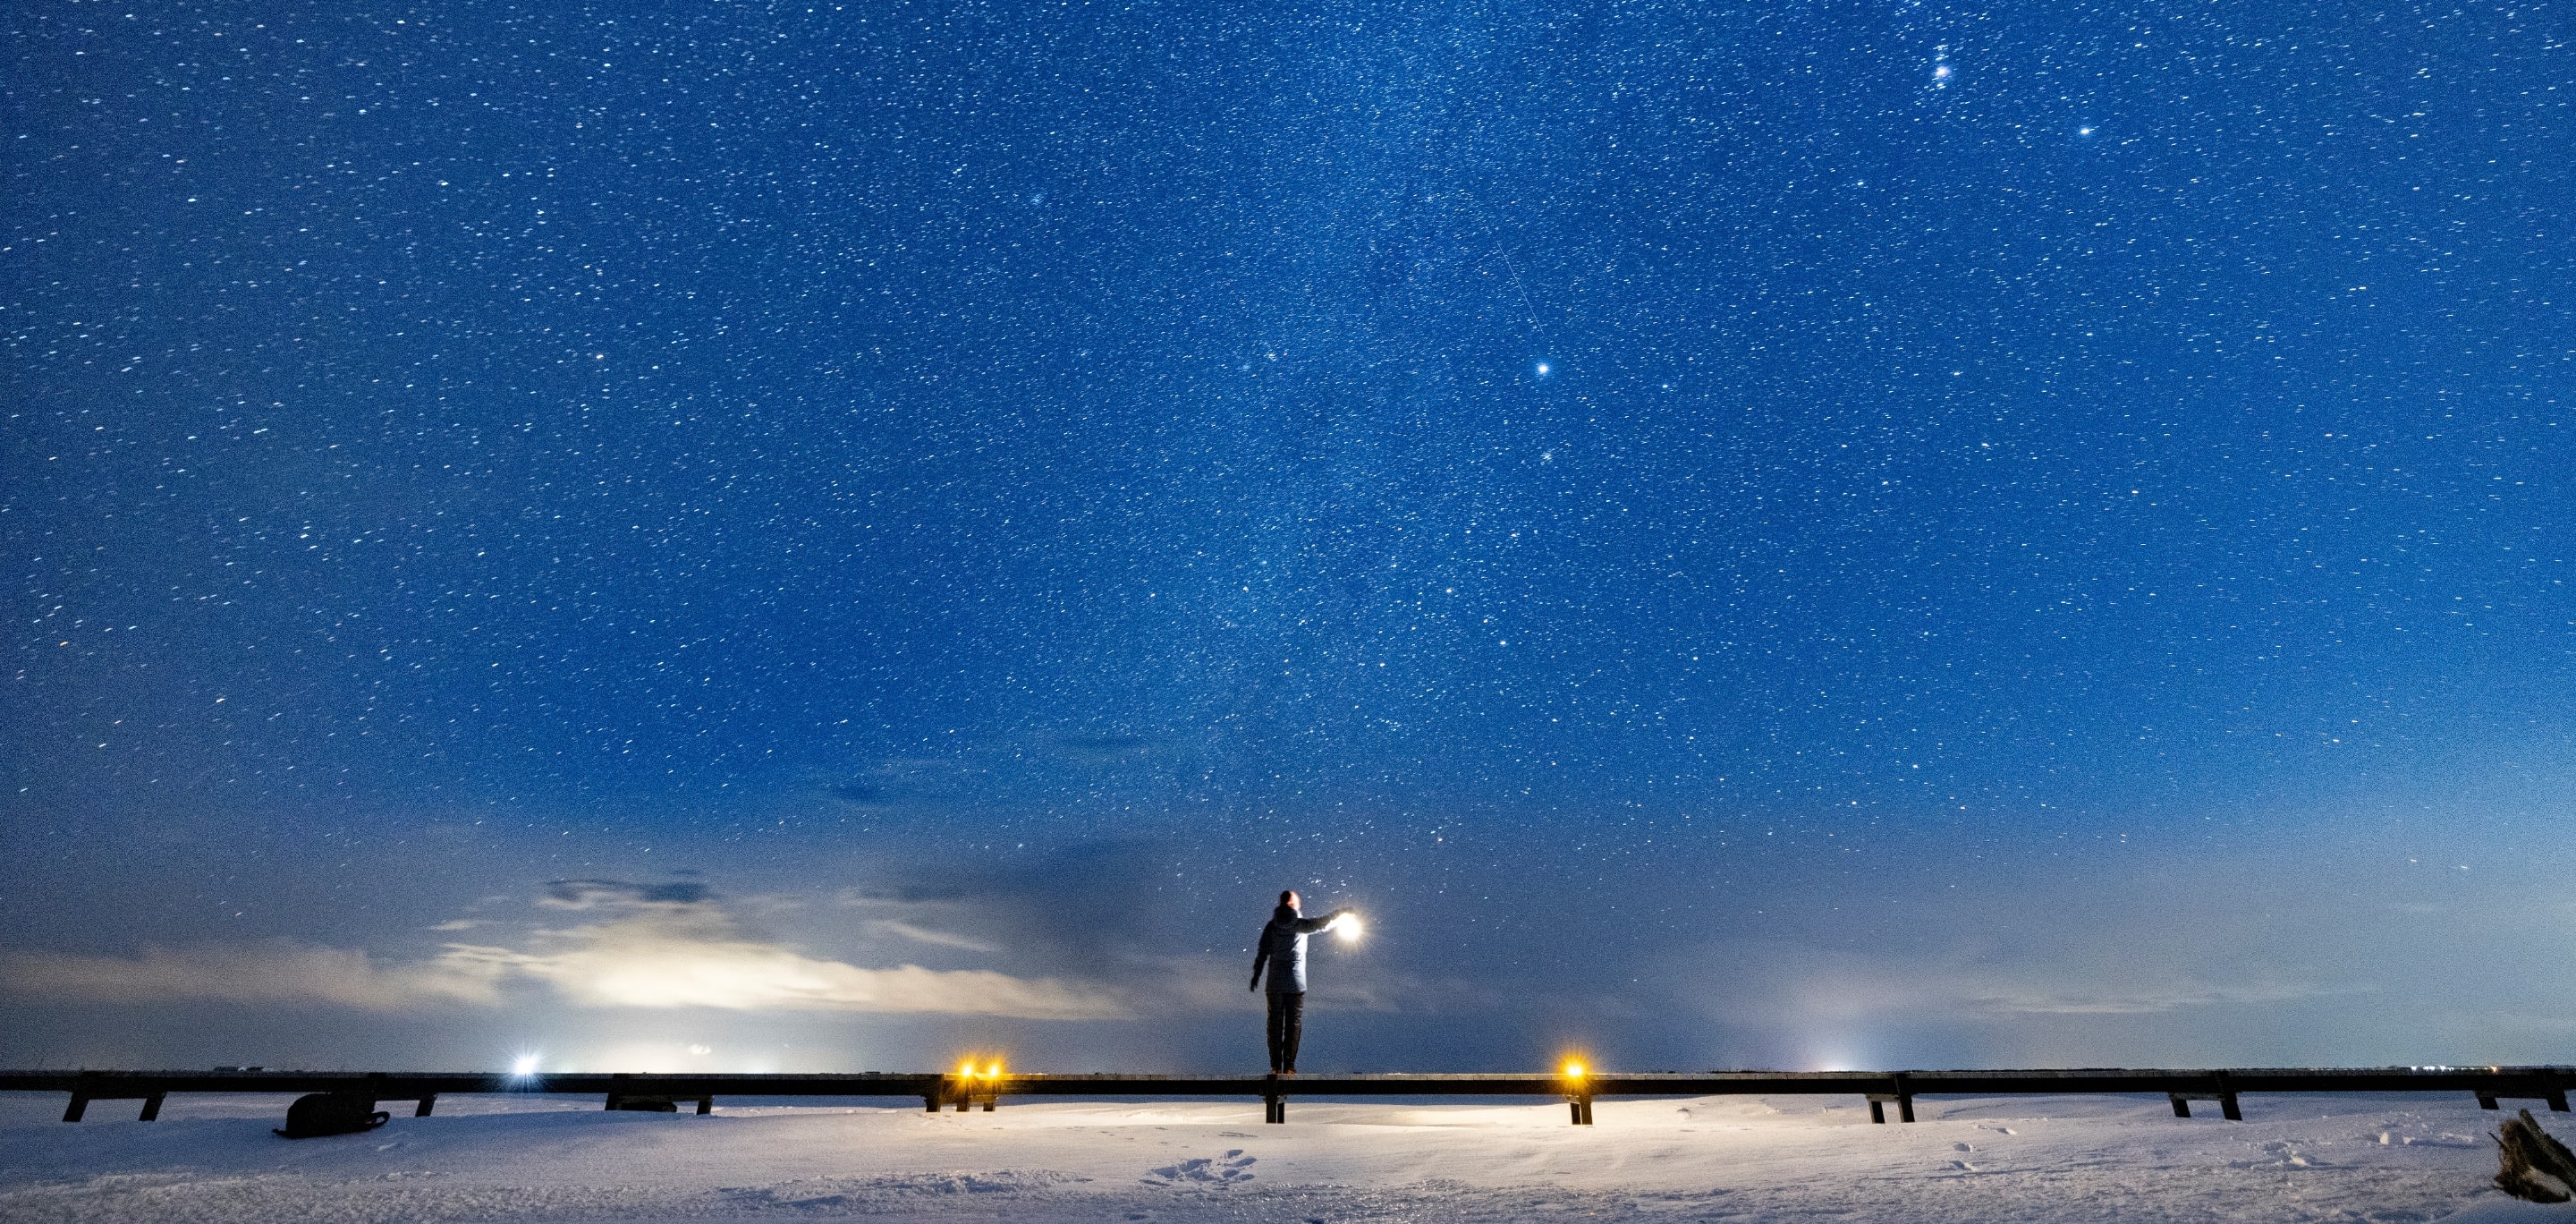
pixel 1729 1158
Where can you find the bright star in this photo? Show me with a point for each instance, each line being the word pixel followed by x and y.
pixel 1543 368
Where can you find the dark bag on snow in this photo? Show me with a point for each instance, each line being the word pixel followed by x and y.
pixel 331 1113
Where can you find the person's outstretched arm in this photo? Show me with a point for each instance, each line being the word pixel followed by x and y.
pixel 1308 926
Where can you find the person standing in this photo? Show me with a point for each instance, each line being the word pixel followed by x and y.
pixel 1283 951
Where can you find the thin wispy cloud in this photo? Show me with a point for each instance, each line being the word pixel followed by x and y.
pixel 1782 983
pixel 919 934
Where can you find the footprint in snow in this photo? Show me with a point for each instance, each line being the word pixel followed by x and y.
pixel 1232 1167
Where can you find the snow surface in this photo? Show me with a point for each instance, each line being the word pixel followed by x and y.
pixel 1724 1158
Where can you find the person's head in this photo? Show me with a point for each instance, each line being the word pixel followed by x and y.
pixel 1288 898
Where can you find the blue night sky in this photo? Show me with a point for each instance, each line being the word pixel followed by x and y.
pixel 758 536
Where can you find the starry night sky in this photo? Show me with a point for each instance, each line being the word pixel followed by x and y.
pixel 1889 534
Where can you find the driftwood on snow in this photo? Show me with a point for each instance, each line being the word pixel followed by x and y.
pixel 2536 1167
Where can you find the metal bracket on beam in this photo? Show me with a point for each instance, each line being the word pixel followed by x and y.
pixel 2226 1104
pixel 1901 1096
pixel 638 1103
pixel 80 1104
pixel 965 1094
pixel 2557 1098
pixel 2219 1090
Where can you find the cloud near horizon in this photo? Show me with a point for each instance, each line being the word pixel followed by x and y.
pixel 249 973
pixel 656 948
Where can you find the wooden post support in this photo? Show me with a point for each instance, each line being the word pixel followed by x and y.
pixel 930 1101
pixel 428 1100
pixel 1580 1104
pixel 2487 1100
pixel 706 1105
pixel 152 1107
pixel 79 1106
pixel 1274 1109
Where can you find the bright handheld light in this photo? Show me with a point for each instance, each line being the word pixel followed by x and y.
pixel 524 1065
pixel 1348 927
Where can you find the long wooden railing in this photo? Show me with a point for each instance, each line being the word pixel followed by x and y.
pixel 964 1090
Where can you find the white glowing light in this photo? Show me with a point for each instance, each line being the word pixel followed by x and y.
pixel 525 1064
pixel 2084 131
pixel 1543 368
pixel 1348 927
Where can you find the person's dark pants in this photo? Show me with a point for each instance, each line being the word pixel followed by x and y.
pixel 1287 1024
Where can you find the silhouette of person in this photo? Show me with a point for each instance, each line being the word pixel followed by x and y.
pixel 1283 951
